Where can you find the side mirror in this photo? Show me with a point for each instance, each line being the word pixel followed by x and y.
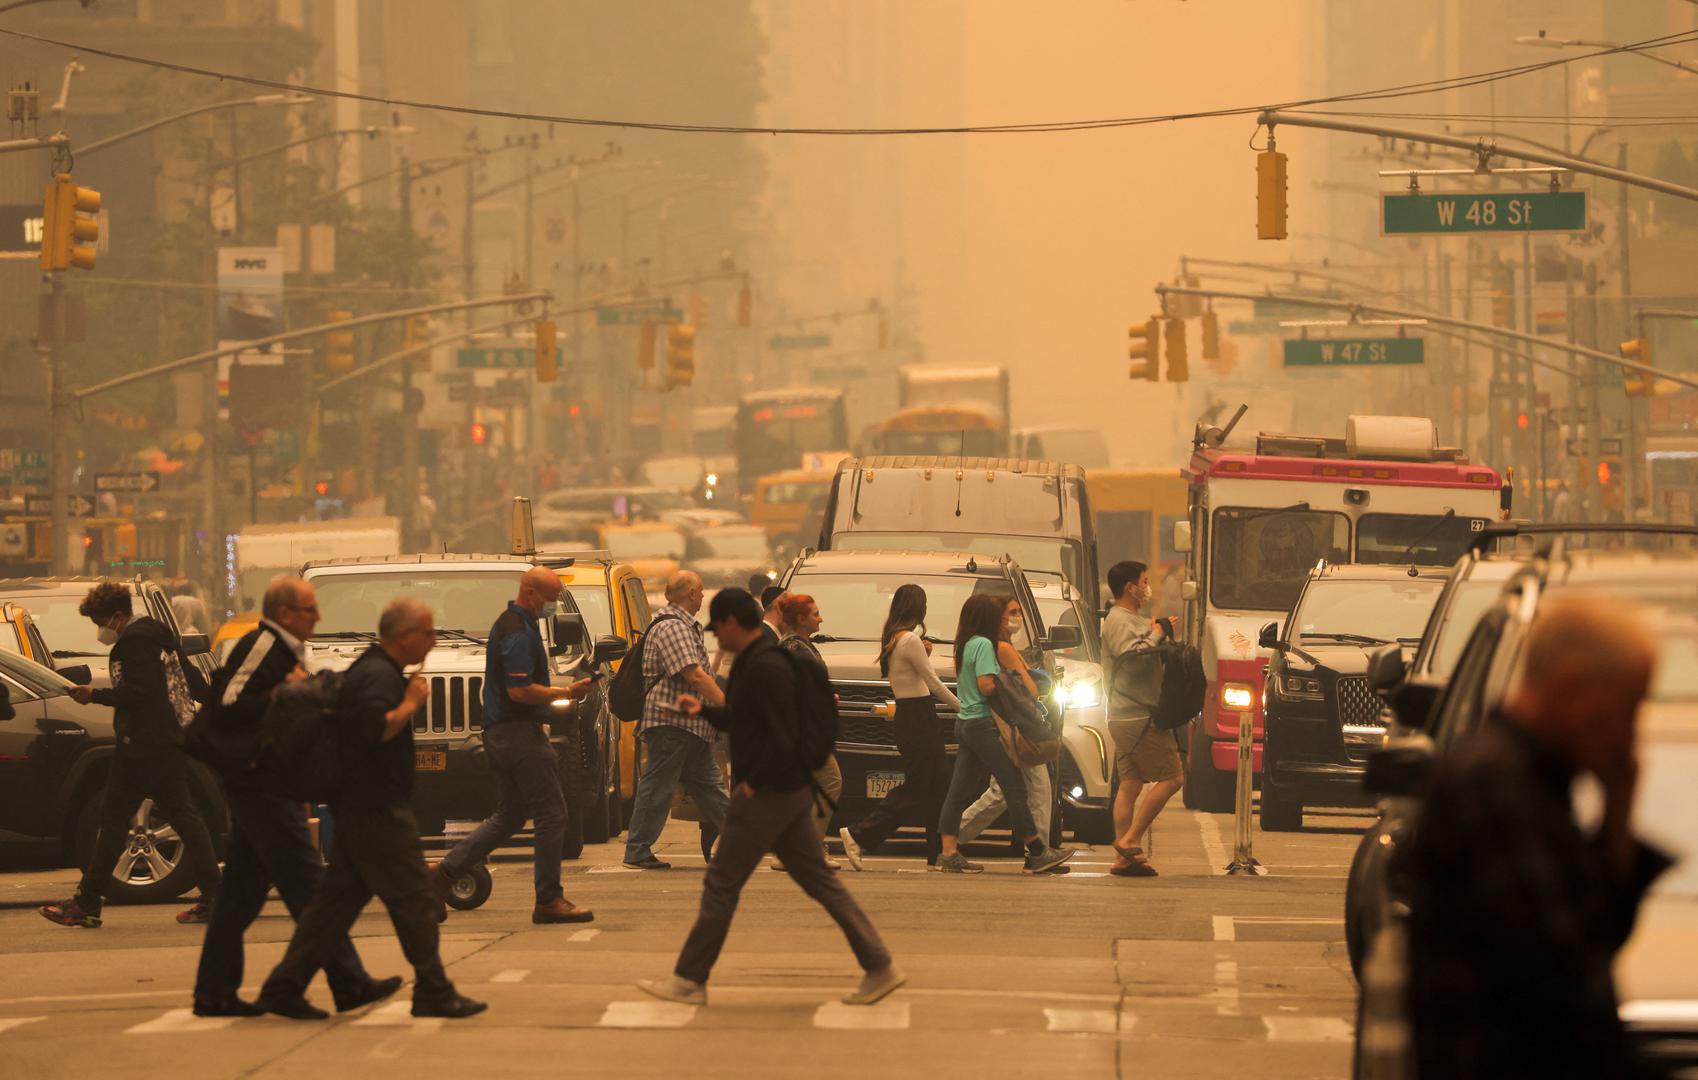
pixel 1387 670
pixel 609 648
pixel 1182 536
pixel 1188 591
pixel 1412 703
pixel 568 634
pixel 1269 637
pixel 194 645
pixel 77 673
pixel 1402 769
pixel 1062 637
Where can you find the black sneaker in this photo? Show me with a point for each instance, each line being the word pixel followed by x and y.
pixel 454 1007
pixel 1047 859
pixel 649 863
pixel 71 913
pixel 230 1006
pixel 373 991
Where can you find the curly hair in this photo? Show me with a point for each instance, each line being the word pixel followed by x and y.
pixel 105 600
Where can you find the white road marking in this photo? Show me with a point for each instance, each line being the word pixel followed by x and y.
pixel 10 1022
pixel 398 1014
pixel 178 1021
pixel 1083 1021
pixel 646 1014
pixel 614 868
pixel 1225 929
pixel 1214 849
pixel 1226 926
pixel 584 935
pixel 1307 1029
pixel 1226 988
pixel 513 976
pixel 885 1016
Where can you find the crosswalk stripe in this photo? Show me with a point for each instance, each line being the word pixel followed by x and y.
pixel 178 1021
pixel 1083 1021
pixel 398 1014
pixel 1307 1029
pixel 584 935
pixel 885 1016
pixel 10 1022
pixel 646 1014
pixel 517 975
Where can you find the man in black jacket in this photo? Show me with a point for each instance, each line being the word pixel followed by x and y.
pixel 269 839
pixel 772 802
pixel 377 838
pixel 151 700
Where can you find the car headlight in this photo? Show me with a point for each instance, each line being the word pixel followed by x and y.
pixel 1238 696
pixel 1082 693
pixel 712 479
pixel 1297 687
pixel 561 703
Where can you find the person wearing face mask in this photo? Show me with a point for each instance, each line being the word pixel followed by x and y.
pixel 1142 755
pixel 151 699
pixel 518 703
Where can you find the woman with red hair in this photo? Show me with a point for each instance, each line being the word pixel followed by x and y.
pixel 798 621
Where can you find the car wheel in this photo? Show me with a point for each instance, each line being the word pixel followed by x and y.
pixel 615 775
pixel 572 786
pixel 1207 788
pixel 594 794
pixel 1279 811
pixel 152 864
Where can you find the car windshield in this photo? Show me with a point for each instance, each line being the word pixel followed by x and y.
pixel 38 680
pixel 1259 555
pixel 1467 604
pixel 627 543
pixel 747 544
pixel 67 632
pixel 1033 553
pixel 1422 539
pixel 800 492
pixel 854 606
pixel 597 610
pixel 468 601
pixel 1336 610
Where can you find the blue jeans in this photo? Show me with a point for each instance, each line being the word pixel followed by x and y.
pixel 979 757
pixel 527 787
pixel 675 756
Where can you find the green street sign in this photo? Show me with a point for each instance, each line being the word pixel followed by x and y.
pixel 1355 352
pixel 505 357
pixel 1445 215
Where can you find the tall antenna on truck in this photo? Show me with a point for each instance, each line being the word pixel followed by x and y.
pixel 1213 437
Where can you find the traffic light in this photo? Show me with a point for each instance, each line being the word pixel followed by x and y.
pixel 680 355
pixel 745 307
pixel 418 332
pixel 479 433
pixel 1146 346
pixel 1637 383
pixel 69 229
pixel 1178 369
pixel 1503 309
pixel 548 360
pixel 1270 195
pixel 339 344
pixel 1211 336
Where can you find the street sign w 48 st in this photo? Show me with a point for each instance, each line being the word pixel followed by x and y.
pixel 1482 212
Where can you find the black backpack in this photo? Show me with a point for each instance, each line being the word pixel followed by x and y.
pixel 1183 685
pixel 298 737
pixel 816 712
pixel 628 688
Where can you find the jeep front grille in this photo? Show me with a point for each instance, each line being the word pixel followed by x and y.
pixel 455 706
pixel 1356 703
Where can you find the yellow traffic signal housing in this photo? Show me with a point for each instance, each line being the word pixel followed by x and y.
pixel 1178 365
pixel 1211 336
pixel 1637 383
pixel 69 229
pixel 339 344
pixel 1146 346
pixel 548 360
pixel 1270 195
pixel 418 332
pixel 680 355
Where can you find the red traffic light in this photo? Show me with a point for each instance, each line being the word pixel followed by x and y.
pixel 1604 472
pixel 574 411
pixel 480 434
pixel 1521 421
pixel 322 487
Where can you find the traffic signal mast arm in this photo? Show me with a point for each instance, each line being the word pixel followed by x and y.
pixel 1357 308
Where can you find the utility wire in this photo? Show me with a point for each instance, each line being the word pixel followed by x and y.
pixel 1404 90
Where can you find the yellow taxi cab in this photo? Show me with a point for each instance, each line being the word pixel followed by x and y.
pixel 19 634
pixel 783 502
pixel 233 630
pixel 1134 512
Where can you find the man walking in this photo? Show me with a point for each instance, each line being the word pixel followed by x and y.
pixel 1142 754
pixel 518 704
pixel 269 839
pixel 151 700
pixel 771 810
pixel 1516 914
pixel 377 838
pixel 679 745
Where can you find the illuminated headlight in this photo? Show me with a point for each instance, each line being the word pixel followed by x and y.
pixel 1084 693
pixel 1297 687
pixel 560 703
pixel 1238 696
pixel 1364 734
pixel 712 479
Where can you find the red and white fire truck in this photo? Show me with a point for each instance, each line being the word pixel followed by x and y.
pixel 1260 519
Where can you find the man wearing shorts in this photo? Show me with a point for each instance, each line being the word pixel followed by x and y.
pixel 1143 754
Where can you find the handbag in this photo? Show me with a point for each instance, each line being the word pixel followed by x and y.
pixel 1027 735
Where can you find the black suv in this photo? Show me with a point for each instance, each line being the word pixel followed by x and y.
pixel 1321 720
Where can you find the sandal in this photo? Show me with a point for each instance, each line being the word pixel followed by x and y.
pixel 1137 864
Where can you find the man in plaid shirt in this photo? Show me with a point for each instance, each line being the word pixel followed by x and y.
pixel 678 746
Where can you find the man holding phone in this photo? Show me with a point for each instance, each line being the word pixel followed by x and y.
pixel 519 702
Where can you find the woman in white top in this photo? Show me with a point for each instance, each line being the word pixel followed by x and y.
pixel 905 659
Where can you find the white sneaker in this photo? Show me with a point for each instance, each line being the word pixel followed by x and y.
pixel 851 850
pixel 832 864
pixel 876 986
pixel 677 989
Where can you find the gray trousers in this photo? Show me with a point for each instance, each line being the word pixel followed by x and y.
pixel 781 822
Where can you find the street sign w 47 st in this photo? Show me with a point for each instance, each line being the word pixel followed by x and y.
pixel 1482 212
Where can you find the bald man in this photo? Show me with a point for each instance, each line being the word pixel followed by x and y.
pixel 1516 913
pixel 519 704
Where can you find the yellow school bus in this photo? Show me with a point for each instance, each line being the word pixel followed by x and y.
pixel 1134 510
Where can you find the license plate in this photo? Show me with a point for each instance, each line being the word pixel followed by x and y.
pixel 880 784
pixel 430 760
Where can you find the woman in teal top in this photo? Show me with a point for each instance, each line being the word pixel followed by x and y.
pixel 979 755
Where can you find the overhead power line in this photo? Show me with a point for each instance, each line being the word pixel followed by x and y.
pixel 1381 94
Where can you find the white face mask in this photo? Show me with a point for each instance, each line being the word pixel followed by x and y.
pixel 1145 592
pixel 106 635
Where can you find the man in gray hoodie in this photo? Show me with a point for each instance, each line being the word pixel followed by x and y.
pixel 1142 754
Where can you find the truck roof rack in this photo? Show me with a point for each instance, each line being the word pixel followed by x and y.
pixel 1502 530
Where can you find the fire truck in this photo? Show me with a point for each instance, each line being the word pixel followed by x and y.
pixel 1259 519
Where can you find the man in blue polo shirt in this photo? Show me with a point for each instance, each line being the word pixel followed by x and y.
pixel 517 703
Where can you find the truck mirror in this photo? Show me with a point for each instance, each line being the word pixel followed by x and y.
pixel 77 673
pixel 568 634
pixel 1269 637
pixel 1182 536
pixel 609 648
pixel 1387 670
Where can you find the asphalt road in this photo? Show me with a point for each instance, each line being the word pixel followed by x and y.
pixel 1079 976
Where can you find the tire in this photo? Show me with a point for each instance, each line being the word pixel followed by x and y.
pixel 1279 812
pixel 1207 788
pixel 594 795
pixel 615 775
pixel 154 870
pixel 572 786
pixel 471 889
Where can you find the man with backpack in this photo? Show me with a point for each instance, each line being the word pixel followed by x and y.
pixel 781 720
pixel 1143 752
pixel 270 843
pixel 154 694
